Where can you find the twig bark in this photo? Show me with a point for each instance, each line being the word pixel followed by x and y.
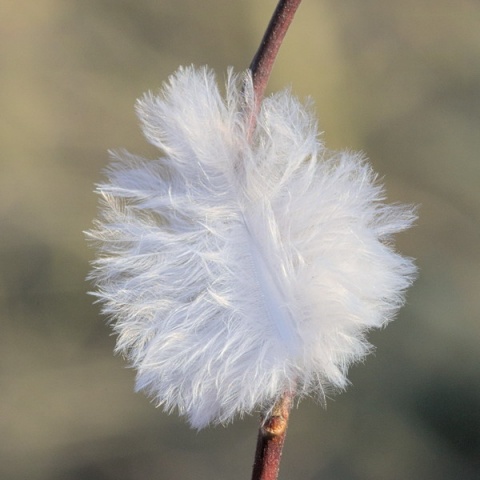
pixel 263 61
pixel 273 428
pixel 271 437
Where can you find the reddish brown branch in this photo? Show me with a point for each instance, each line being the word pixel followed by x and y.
pixel 264 59
pixel 271 437
pixel 273 429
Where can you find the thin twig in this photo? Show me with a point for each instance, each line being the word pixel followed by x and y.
pixel 273 429
pixel 271 437
pixel 263 61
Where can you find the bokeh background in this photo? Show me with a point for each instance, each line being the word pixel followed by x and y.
pixel 397 80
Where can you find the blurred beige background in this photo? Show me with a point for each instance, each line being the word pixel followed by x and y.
pixel 398 80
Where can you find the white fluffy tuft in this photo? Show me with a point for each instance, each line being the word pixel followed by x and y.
pixel 236 267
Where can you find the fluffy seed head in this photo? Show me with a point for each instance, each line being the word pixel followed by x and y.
pixel 237 266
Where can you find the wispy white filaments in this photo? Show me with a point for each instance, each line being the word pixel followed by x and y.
pixel 235 266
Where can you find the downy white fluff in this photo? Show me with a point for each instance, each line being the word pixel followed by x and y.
pixel 239 265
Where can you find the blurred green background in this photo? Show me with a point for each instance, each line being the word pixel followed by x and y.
pixel 398 80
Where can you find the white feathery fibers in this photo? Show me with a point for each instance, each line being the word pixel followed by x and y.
pixel 240 265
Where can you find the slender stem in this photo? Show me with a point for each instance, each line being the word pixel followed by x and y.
pixel 273 428
pixel 271 437
pixel 263 61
